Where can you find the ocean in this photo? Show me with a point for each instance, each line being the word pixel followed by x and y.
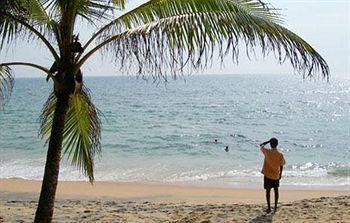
pixel 156 132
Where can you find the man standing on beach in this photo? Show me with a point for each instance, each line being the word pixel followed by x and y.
pixel 272 170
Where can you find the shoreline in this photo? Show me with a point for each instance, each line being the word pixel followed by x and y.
pixel 20 189
pixel 205 184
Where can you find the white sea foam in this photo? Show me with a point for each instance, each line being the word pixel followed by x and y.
pixel 306 174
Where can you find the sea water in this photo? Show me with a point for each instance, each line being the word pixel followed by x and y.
pixel 156 132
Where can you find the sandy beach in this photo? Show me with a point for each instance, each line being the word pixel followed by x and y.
pixel 152 202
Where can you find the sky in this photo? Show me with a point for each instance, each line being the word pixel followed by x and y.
pixel 325 24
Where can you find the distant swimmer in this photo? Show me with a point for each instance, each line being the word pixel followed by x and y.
pixel 216 141
pixel 226 148
pixel 272 170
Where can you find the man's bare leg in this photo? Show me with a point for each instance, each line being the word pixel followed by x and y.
pixel 268 210
pixel 276 197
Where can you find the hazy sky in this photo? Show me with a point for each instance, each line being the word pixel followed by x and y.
pixel 325 24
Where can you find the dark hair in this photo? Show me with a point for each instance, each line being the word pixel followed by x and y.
pixel 273 142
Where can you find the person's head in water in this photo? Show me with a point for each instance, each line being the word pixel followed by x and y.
pixel 273 142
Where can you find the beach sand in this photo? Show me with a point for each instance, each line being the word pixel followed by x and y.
pixel 152 202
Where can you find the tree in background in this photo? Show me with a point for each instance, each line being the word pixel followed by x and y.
pixel 156 38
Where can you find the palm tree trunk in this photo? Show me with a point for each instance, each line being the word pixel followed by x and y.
pixel 45 208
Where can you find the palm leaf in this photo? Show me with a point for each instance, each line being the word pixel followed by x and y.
pixel 99 9
pixel 8 28
pixel 118 3
pixel 6 84
pixel 90 10
pixel 18 17
pixel 35 10
pixel 164 35
pixel 82 131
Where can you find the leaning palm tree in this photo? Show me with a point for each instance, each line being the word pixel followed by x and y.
pixel 156 38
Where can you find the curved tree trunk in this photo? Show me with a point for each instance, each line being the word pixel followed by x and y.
pixel 45 208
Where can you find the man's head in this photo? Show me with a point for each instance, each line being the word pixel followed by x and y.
pixel 273 142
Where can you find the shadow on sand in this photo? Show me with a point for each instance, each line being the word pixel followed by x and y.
pixel 264 218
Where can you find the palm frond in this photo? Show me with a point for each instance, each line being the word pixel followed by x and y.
pixel 154 10
pixel 35 10
pixel 26 20
pixel 90 10
pixel 82 131
pixel 164 35
pixel 118 3
pixel 37 14
pixel 11 5
pixel 6 83
pixel 99 9
pixel 8 28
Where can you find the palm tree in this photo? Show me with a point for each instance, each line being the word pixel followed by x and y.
pixel 156 38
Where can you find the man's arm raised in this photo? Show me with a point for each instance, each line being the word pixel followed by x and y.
pixel 262 147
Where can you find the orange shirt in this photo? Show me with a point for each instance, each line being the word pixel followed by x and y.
pixel 272 162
